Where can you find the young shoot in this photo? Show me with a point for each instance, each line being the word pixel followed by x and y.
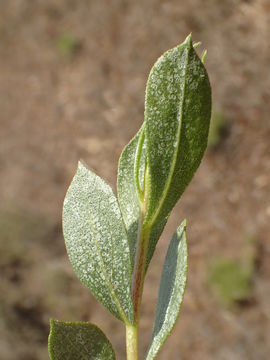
pixel 110 240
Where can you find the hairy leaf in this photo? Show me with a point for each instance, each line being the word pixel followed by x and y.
pixel 130 185
pixel 78 341
pixel 177 117
pixel 97 243
pixel 171 292
pixel 128 195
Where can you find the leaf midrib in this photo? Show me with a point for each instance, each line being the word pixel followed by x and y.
pixel 172 168
pixel 103 267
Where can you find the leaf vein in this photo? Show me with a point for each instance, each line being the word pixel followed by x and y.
pixel 172 168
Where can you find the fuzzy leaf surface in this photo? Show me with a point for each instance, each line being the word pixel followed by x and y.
pixel 78 341
pixel 130 183
pixel 177 117
pixel 97 243
pixel 171 292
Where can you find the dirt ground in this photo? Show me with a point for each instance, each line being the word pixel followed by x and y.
pixel 72 81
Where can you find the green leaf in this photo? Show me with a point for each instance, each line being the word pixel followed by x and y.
pixel 177 117
pixel 130 185
pixel 97 243
pixel 171 292
pixel 78 341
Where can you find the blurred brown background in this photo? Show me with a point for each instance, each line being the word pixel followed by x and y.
pixel 72 81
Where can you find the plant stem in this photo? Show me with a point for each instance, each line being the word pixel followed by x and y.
pixel 138 276
pixel 132 342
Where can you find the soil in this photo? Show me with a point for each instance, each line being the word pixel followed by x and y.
pixel 87 102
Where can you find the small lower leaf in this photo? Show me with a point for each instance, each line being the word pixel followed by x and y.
pixel 171 292
pixel 78 341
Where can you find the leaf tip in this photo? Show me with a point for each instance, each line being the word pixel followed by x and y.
pixel 188 40
pixel 81 165
pixel 203 56
pixel 183 226
pixel 52 325
pixel 197 44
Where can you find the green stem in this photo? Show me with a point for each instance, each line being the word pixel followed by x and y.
pixel 139 268
pixel 132 342
pixel 132 331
